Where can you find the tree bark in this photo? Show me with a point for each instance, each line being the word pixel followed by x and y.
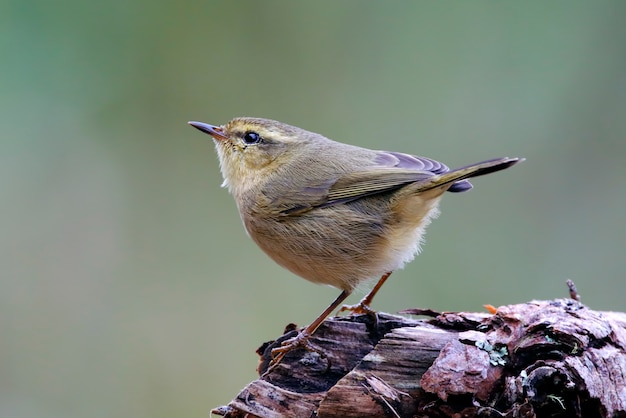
pixel 538 359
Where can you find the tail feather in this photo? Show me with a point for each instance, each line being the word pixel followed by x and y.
pixel 457 178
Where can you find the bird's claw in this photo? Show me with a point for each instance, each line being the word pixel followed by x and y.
pixel 299 341
pixel 290 344
pixel 360 308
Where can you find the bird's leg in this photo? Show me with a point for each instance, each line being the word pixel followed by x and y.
pixel 301 340
pixel 363 307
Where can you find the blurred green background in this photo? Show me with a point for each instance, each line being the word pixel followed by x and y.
pixel 128 286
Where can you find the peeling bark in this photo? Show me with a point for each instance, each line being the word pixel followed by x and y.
pixel 538 359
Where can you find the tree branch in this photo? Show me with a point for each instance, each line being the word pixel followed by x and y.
pixel 538 359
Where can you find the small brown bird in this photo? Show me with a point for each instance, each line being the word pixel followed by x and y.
pixel 329 212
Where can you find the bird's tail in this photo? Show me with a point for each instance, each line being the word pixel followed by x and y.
pixel 457 178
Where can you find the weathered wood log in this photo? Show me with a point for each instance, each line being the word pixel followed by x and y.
pixel 539 359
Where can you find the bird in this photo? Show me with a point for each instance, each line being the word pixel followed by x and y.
pixel 330 212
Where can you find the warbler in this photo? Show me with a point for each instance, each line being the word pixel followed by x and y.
pixel 329 212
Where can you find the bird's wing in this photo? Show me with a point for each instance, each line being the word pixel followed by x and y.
pixel 376 180
pixel 410 162
pixel 413 162
pixel 388 172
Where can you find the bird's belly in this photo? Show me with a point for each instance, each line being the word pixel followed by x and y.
pixel 339 246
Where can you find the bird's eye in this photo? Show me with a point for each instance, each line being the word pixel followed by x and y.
pixel 251 138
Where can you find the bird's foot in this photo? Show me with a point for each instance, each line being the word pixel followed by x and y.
pixel 299 341
pixel 360 308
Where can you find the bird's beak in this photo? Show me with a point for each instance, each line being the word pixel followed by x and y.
pixel 215 131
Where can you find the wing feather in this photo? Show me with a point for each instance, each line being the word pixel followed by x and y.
pixel 388 172
pixel 373 181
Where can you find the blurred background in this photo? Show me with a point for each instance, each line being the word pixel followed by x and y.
pixel 128 286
